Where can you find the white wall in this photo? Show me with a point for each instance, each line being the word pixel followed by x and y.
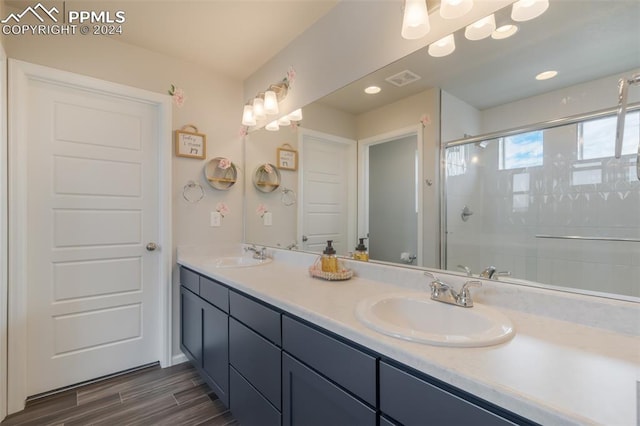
pixel 579 99
pixel 458 119
pixel 402 114
pixel 213 104
pixel 262 147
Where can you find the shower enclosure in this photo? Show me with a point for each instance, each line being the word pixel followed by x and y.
pixel 549 203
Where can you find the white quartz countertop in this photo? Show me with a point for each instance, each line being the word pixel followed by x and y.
pixel 552 372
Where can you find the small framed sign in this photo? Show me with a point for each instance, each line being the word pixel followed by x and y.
pixel 191 144
pixel 287 158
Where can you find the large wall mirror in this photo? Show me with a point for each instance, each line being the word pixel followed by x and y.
pixel 407 167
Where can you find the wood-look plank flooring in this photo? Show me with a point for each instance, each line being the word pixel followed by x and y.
pixel 151 396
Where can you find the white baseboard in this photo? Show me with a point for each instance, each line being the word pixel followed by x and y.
pixel 178 359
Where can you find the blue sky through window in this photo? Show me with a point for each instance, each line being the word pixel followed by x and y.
pixel 523 150
pixel 598 136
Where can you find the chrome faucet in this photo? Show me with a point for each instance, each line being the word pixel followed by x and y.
pixel 260 254
pixel 491 273
pixel 442 292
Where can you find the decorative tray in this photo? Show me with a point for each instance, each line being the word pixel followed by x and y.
pixel 343 274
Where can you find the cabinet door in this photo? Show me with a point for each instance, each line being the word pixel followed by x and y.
pixel 191 326
pixel 215 354
pixel 413 401
pixel 311 400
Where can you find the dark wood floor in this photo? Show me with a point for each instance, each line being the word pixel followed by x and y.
pixel 151 396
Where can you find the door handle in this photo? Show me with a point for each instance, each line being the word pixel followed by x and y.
pixel 304 238
pixel 151 246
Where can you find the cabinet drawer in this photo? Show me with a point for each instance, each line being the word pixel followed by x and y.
pixel 248 406
pixel 190 280
pixel 340 362
pixel 413 401
pixel 214 293
pixel 312 400
pixel 257 316
pixel 257 359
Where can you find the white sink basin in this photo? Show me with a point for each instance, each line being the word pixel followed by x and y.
pixel 415 317
pixel 237 262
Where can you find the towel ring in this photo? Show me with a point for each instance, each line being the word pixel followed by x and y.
pixel 288 197
pixel 192 192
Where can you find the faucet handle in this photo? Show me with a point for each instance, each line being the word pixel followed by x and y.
pixel 466 269
pixel 501 274
pixel 464 297
pixel 436 284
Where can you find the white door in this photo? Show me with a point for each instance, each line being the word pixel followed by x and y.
pixel 328 172
pixel 93 290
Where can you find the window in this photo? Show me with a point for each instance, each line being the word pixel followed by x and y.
pixel 520 151
pixel 456 160
pixel 597 138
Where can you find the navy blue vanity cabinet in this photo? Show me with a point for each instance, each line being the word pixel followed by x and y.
pixel 204 329
pixel 255 362
pixel 410 400
pixel 190 324
pixel 325 381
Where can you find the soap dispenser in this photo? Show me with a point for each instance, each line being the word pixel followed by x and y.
pixel 329 261
pixel 361 252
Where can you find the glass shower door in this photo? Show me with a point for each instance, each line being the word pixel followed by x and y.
pixel 551 205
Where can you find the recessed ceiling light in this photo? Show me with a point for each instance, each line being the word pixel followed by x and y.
pixel 372 90
pixel 504 32
pixel 546 75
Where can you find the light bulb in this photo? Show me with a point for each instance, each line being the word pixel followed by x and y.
pixel 481 29
pixel 270 102
pixel 273 126
pixel 504 31
pixel 284 121
pixel 258 109
pixel 443 47
pixel 452 9
pixel 296 115
pixel 247 116
pixel 525 10
pixel 415 22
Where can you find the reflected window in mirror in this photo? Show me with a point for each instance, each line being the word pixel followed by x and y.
pixel 522 150
pixel 596 138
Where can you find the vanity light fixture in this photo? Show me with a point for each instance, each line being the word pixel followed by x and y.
pixel 443 47
pixel 504 31
pixel 546 75
pixel 273 126
pixel 265 104
pixel 247 116
pixel 481 29
pixel 270 102
pixel 524 10
pixel 452 9
pixel 296 115
pixel 258 109
pixel 372 90
pixel 415 20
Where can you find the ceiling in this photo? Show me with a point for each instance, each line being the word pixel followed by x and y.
pixel 232 37
pixel 582 39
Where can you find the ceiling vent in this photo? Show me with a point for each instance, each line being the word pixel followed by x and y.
pixel 403 78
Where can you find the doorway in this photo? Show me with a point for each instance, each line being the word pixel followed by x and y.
pixel 390 196
pixel 89 196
